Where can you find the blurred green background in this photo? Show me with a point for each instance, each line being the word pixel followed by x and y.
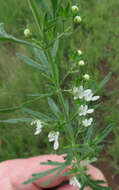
pixel 98 38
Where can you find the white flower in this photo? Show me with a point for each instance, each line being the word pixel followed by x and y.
pixel 88 95
pixel 77 19
pixel 79 52
pixel 81 63
pixel 53 136
pixel 78 92
pixel 74 182
pixel 27 32
pixel 39 126
pixel 83 110
pixel 86 77
pixel 75 9
pixel 87 122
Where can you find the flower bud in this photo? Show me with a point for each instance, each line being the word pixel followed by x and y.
pixel 27 32
pixel 75 9
pixel 79 52
pixel 77 19
pixel 86 77
pixel 81 63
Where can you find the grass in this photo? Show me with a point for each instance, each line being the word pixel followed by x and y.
pixel 98 39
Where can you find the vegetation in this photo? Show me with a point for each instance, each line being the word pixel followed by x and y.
pixel 97 37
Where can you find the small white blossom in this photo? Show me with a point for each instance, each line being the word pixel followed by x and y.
pixel 78 92
pixel 86 77
pixel 74 182
pixel 87 122
pixel 39 126
pixel 53 136
pixel 27 32
pixel 88 95
pixel 75 9
pixel 83 110
pixel 79 52
pixel 81 63
pixel 77 19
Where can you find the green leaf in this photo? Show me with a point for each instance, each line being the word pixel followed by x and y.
pixel 41 55
pixel 104 82
pixel 90 133
pixel 104 133
pixel 51 163
pixel 44 7
pixel 41 175
pixel 39 115
pixel 55 49
pixel 67 173
pixel 33 179
pixel 36 14
pixel 54 107
pixel 67 106
pixel 40 95
pixel 88 161
pixel 17 120
pixel 4 37
pixel 31 62
pixel 95 184
pixel 15 108
pixel 53 177
pixel 8 110
pixel 54 6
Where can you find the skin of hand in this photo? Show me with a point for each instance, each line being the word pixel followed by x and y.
pixel 14 172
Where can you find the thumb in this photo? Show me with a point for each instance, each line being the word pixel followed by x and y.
pixel 20 170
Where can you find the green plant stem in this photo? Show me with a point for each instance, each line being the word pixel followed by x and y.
pixel 71 134
pixel 68 127
pixel 35 17
pixel 68 123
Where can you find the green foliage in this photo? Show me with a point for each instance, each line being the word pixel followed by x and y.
pixel 38 115
pixel 19 142
pixel 54 107
pixel 43 174
pixel 97 37
pixel 104 81
pixel 4 37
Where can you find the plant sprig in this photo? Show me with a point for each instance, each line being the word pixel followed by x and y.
pixel 71 119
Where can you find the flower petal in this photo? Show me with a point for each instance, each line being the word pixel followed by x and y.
pixel 94 98
pixel 90 111
pixel 56 144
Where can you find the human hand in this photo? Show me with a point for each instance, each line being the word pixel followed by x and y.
pixel 14 172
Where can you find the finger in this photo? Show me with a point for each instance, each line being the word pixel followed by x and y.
pixel 26 187
pixel 66 187
pixel 20 170
pixel 6 184
pixel 59 179
pixel 96 174
pixel 70 187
